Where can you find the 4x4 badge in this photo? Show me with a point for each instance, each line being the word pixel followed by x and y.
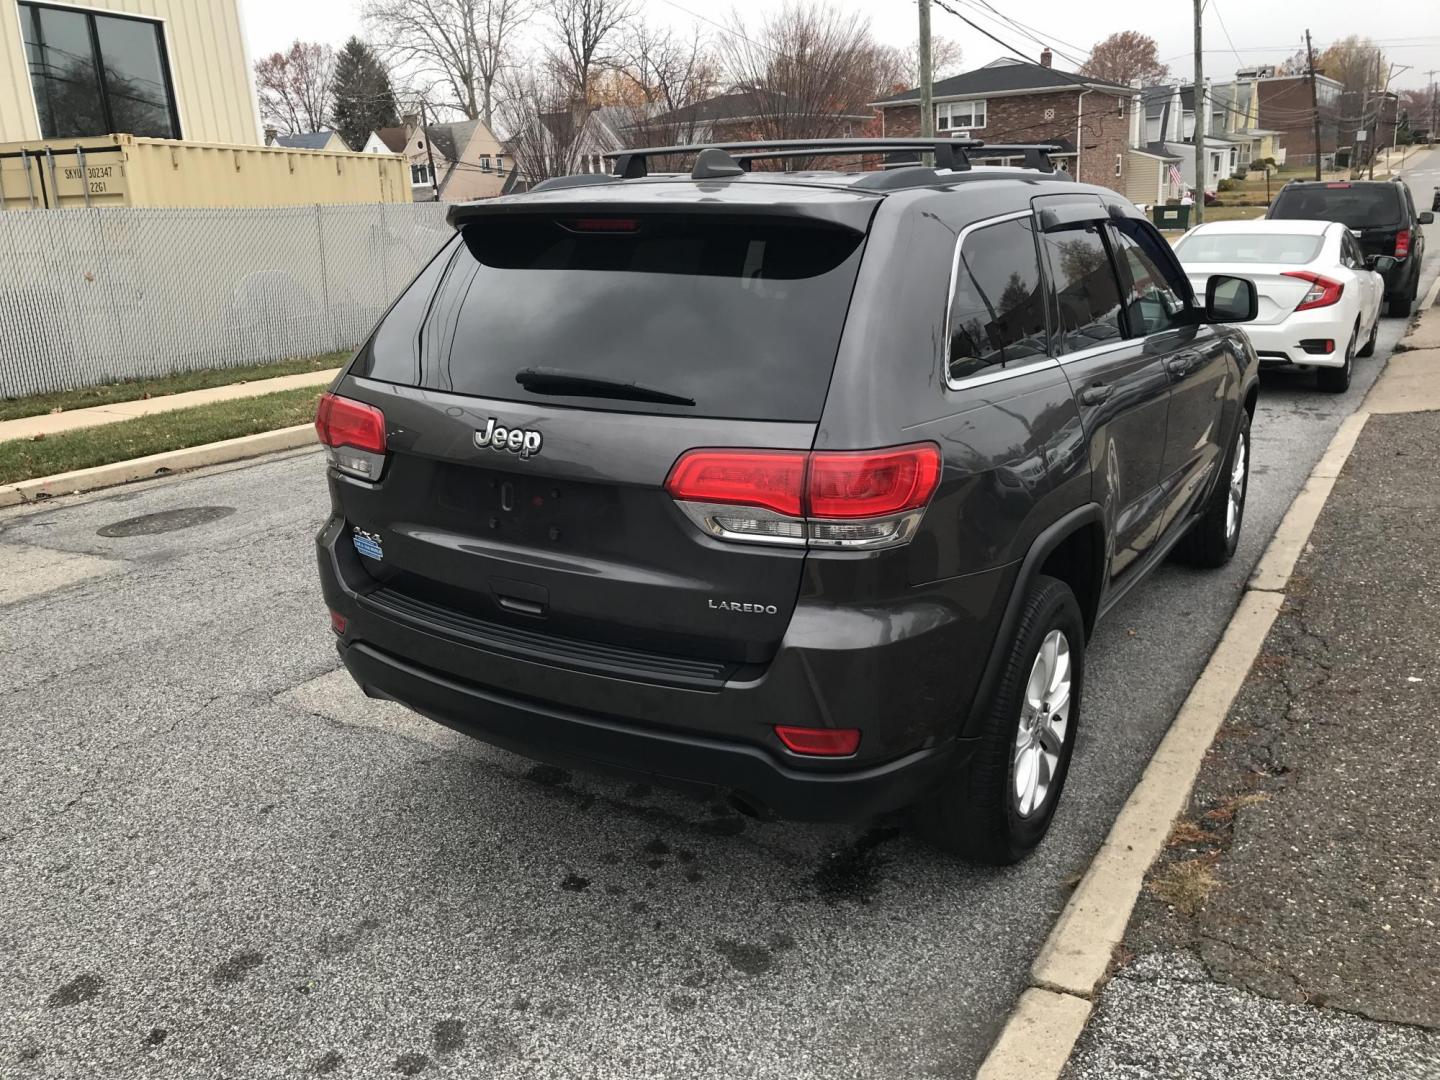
pixel 522 441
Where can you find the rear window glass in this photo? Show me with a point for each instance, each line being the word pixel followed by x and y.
pixel 1360 206
pixel 1249 248
pixel 741 316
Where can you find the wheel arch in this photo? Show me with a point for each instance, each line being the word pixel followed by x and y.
pixel 1071 549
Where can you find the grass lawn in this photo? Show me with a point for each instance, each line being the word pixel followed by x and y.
pixel 136 389
pixel 23 459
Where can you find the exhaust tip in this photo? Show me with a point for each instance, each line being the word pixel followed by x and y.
pixel 743 804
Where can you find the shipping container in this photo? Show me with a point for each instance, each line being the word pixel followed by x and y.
pixel 122 170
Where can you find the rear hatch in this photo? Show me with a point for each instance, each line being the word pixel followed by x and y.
pixel 540 379
pixel 1373 212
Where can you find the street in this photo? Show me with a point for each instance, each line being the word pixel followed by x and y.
pixel 220 859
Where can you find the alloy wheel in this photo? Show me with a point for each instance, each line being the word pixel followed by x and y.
pixel 1044 722
pixel 1236 502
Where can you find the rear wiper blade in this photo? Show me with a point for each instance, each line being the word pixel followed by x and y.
pixel 554 381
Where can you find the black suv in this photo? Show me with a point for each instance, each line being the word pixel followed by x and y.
pixel 1381 214
pixel 804 486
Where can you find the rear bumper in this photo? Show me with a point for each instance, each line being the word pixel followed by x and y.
pixel 904 674
pixel 1280 343
pixel 668 758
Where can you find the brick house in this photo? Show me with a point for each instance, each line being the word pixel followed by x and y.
pixel 1285 107
pixel 1011 101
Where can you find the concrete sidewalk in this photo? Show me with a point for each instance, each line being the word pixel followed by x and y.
pixel 55 423
pixel 1292 927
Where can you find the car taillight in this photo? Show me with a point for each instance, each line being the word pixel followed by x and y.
pixel 1323 291
pixel 868 498
pixel 819 742
pixel 353 434
pixel 1402 243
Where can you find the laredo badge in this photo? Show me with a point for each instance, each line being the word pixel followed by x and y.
pixel 367 544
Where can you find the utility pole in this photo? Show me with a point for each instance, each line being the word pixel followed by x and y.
pixel 429 151
pixel 1314 99
pixel 1201 111
pixel 927 75
pixel 1431 76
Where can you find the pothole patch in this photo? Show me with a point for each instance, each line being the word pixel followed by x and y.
pixel 186 517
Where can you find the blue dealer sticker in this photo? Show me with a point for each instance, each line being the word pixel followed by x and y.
pixel 367 544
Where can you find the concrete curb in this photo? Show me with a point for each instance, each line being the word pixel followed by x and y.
pixel 171 461
pixel 1039 1035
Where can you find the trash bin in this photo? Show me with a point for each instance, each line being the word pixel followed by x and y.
pixel 1170 217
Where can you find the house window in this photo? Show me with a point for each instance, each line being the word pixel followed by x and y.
pixel 956 115
pixel 484 162
pixel 94 74
pixel 499 162
pixel 420 174
pixel 1119 164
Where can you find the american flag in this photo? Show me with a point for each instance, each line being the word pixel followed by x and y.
pixel 1176 178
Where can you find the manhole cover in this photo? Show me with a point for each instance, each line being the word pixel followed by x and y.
pixel 167 521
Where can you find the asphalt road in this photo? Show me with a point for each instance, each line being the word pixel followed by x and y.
pixel 218 859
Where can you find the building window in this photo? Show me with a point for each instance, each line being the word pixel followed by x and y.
pixel 1119 164
pixel 97 74
pixel 499 162
pixel 958 115
pixel 484 162
pixel 420 174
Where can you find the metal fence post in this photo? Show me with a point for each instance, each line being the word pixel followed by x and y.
pixel 324 277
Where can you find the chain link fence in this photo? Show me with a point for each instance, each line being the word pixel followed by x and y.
pixel 94 296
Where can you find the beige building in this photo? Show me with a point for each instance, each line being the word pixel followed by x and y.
pixel 469 161
pixel 150 103
pixel 165 69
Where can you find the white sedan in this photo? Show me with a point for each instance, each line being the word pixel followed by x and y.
pixel 1320 298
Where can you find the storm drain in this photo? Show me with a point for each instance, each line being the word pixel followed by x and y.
pixel 186 517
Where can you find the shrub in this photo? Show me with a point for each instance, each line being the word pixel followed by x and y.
pixel 1226 184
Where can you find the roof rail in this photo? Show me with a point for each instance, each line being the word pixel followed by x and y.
pixel 949 153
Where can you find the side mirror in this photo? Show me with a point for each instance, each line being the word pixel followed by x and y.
pixel 1381 264
pixel 1427 218
pixel 1230 299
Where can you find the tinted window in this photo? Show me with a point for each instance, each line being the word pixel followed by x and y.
pixel 1085 288
pixel 742 316
pixel 1360 206
pixel 997 315
pixel 1153 303
pixel 1207 247
pixel 124 87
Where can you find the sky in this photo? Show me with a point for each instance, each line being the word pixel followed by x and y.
pixel 1238 32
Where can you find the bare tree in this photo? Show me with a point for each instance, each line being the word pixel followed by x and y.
pixel 662 79
pixel 587 33
pixel 1126 57
pixel 294 87
pixel 545 120
pixel 459 46
pixel 899 68
pixel 810 70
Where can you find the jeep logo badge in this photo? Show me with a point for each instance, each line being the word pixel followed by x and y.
pixel 522 441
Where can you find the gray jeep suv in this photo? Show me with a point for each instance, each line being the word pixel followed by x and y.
pixel 806 486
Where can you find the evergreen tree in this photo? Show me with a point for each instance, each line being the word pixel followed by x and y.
pixel 364 99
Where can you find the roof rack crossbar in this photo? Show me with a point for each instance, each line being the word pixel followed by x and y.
pixel 949 153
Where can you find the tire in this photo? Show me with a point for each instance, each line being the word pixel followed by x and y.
pixel 1336 380
pixel 1212 540
pixel 980 813
pixel 1369 347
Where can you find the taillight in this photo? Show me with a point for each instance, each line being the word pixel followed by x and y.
pixel 1402 243
pixel 1322 293
pixel 353 433
pixel 868 498
pixel 819 742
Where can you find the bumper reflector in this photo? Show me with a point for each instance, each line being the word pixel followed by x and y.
pixel 337 622
pixel 819 742
pixel 1318 346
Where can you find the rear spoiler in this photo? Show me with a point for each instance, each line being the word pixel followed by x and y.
pixel 846 209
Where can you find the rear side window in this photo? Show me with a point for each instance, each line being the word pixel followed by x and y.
pixel 1295 249
pixel 741 316
pixel 1359 206
pixel 1086 290
pixel 997 313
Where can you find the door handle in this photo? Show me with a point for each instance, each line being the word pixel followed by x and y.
pixel 1182 364
pixel 1096 394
